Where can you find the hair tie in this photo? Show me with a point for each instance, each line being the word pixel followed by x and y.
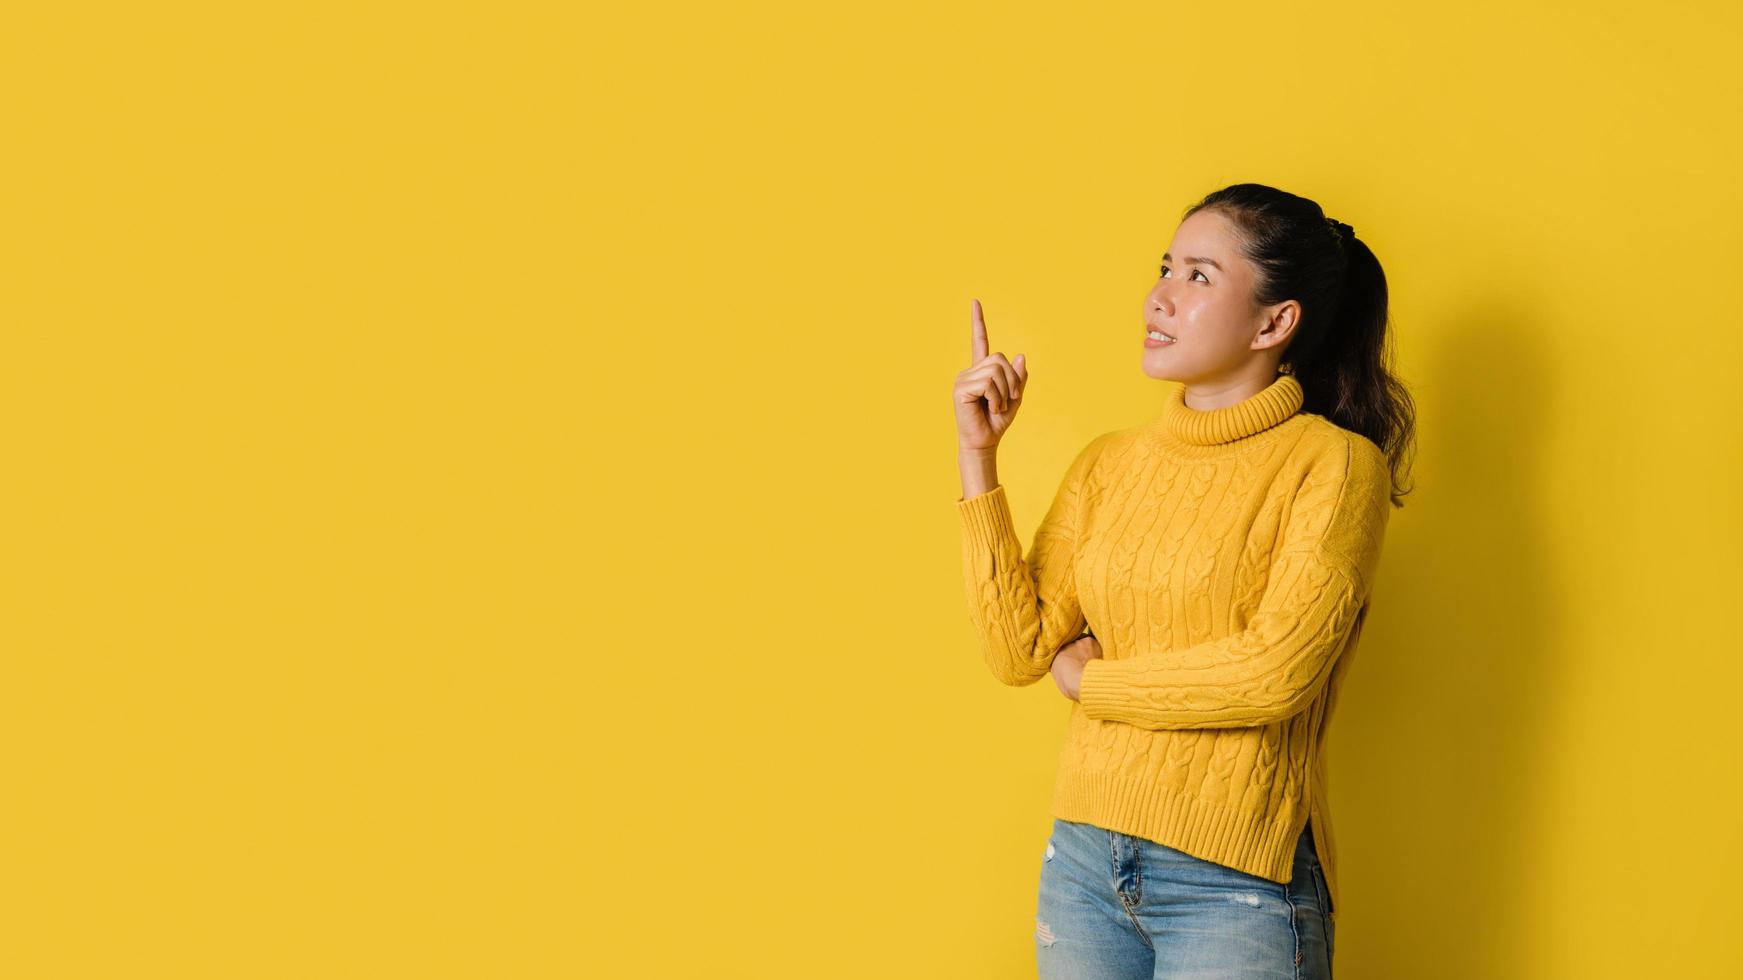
pixel 1340 229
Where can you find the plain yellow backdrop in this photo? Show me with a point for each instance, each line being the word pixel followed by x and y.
pixel 481 476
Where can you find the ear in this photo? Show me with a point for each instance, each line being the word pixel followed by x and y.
pixel 1279 325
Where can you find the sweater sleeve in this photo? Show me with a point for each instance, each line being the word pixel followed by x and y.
pixel 1024 608
pixel 1316 595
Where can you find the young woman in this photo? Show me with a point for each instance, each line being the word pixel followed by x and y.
pixel 1197 588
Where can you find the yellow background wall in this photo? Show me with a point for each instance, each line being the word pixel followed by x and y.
pixel 481 476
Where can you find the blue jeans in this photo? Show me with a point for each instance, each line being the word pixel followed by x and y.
pixel 1118 907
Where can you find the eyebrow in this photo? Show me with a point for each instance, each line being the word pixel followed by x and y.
pixel 1199 259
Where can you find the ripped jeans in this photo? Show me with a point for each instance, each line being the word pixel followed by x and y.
pixel 1118 907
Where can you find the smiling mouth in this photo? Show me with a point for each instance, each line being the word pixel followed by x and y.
pixel 1156 338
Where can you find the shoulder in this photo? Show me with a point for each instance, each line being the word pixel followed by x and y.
pixel 1342 477
pixel 1109 448
pixel 1332 451
pixel 1345 498
pixel 1096 456
pixel 1112 440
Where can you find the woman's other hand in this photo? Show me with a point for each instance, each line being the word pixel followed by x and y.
pixel 1068 663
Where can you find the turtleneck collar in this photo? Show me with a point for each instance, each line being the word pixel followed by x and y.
pixel 1206 431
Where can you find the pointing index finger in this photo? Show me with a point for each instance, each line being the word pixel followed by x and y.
pixel 978 344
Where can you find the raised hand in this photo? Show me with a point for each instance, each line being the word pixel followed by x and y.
pixel 988 393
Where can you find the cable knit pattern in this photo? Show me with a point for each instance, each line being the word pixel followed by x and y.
pixel 1225 560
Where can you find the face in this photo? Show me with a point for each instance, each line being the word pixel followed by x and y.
pixel 1203 298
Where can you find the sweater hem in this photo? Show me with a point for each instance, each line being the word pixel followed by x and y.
pixel 1250 842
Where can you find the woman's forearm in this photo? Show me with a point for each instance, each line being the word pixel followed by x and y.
pixel 980 471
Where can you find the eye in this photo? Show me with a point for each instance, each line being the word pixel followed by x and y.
pixel 1196 272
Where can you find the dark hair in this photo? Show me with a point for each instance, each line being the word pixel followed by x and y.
pixel 1340 351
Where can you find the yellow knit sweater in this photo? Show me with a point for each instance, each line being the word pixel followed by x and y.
pixel 1225 560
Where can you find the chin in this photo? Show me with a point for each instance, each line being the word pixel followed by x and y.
pixel 1160 372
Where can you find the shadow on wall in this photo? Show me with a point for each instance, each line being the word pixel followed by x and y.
pixel 1440 740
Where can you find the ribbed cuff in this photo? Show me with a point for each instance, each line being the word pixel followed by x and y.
pixel 1101 694
pixel 986 518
